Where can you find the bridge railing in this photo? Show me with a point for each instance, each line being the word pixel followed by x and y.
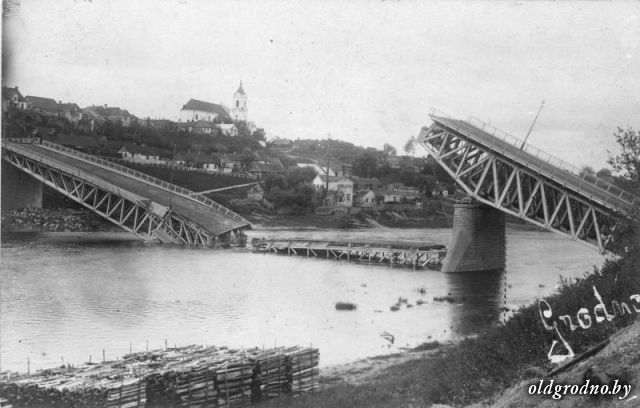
pixel 559 165
pixel 146 178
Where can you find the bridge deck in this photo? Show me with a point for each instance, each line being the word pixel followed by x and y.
pixel 205 217
pixel 608 195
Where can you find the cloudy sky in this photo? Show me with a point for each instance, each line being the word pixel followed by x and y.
pixel 362 71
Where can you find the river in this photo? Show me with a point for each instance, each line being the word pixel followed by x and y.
pixel 70 297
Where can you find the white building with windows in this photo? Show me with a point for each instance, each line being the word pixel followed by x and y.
pixel 340 189
pixel 239 107
pixel 196 110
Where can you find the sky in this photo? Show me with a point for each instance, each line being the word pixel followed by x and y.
pixel 363 71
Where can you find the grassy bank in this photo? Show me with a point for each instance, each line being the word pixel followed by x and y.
pixel 477 368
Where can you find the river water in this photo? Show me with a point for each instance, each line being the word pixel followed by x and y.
pixel 69 297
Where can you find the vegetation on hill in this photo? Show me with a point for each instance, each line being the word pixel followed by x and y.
pixel 292 192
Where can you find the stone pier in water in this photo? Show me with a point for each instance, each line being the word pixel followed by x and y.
pixel 478 239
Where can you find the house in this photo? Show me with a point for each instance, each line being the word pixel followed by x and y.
pixel 70 111
pixel 340 169
pixel 12 98
pixel 208 162
pixel 408 193
pixel 390 197
pixel 110 113
pixel 85 144
pixel 44 106
pixel 366 183
pixel 281 144
pixel 260 170
pixel 341 188
pixel 139 154
pixel 365 198
pixel 203 127
pixel 180 159
pixel 256 193
pixel 228 129
pixel 231 162
pixel 195 110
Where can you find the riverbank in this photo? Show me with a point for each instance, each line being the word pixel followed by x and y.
pixel 53 220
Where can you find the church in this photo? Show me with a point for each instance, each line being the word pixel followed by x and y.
pixel 196 110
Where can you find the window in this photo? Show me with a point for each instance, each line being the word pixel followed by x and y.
pixel 237 103
pixel 196 116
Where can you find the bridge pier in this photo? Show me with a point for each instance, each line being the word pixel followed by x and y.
pixel 19 190
pixel 478 239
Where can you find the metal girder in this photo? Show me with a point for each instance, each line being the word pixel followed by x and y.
pixel 511 187
pixel 137 217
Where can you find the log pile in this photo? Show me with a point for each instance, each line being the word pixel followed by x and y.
pixel 302 367
pixel 73 388
pixel 269 373
pixel 192 376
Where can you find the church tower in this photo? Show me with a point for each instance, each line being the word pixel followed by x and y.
pixel 239 109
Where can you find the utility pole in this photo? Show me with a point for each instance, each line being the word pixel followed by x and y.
pixel 173 163
pixel 326 189
pixel 531 128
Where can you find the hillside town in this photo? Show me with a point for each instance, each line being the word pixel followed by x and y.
pixel 298 176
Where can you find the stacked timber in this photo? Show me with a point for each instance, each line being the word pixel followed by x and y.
pixel 192 376
pixel 270 374
pixel 302 365
pixel 71 390
pixel 234 381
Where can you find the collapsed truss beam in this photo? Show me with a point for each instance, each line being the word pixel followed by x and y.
pixel 144 219
pixel 507 185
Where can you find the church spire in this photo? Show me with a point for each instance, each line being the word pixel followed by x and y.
pixel 240 90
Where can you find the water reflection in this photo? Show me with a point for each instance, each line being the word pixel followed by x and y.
pixel 480 298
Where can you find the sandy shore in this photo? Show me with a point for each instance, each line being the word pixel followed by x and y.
pixel 368 369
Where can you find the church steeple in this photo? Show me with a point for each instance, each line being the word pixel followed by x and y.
pixel 239 110
pixel 240 89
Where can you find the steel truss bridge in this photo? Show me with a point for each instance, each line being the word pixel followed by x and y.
pixel 503 172
pixel 152 209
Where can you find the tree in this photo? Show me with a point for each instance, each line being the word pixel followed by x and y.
pixel 627 161
pixel 388 150
pixel 588 173
pixel 605 174
pixel 365 165
pixel 410 146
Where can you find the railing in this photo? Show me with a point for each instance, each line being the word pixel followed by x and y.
pixel 24 140
pixel 559 165
pixel 179 167
pixel 146 178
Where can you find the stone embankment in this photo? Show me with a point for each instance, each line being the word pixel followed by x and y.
pixel 53 220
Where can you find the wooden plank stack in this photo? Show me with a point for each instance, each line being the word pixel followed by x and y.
pixel 302 366
pixel 269 373
pixel 192 376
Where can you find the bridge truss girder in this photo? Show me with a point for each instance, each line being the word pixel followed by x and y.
pixel 512 188
pixel 148 221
